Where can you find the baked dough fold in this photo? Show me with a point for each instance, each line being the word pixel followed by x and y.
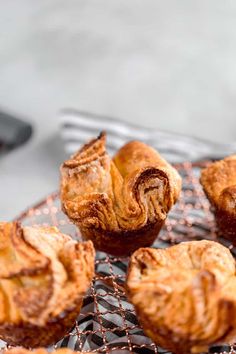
pixel 185 296
pixel 43 277
pixel 219 183
pixel 120 203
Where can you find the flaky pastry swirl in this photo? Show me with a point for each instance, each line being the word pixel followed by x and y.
pixel 43 277
pixel 119 203
pixel 219 183
pixel 185 296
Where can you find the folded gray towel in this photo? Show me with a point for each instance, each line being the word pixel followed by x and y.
pixel 78 127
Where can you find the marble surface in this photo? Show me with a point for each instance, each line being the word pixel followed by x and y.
pixel 164 64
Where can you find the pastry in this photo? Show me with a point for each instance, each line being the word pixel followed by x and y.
pixel 219 183
pixel 121 203
pixel 44 275
pixel 20 350
pixel 185 295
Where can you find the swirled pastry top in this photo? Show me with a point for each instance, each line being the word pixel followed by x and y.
pixel 42 273
pixel 133 189
pixel 219 183
pixel 185 294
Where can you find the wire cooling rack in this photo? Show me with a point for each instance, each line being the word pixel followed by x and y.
pixel 107 322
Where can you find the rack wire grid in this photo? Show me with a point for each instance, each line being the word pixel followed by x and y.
pixel 107 322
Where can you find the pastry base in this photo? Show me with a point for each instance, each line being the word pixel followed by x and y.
pixel 32 336
pixel 122 243
pixel 226 225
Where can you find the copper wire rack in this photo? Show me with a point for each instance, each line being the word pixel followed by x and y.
pixel 107 322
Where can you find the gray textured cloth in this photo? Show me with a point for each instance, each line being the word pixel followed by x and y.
pixel 78 127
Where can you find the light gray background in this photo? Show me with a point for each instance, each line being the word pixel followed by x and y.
pixel 164 64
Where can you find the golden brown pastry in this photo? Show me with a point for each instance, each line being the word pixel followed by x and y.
pixel 120 203
pixel 219 183
pixel 20 350
pixel 43 277
pixel 185 296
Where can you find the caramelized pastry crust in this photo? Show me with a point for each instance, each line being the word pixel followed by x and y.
pixel 43 277
pixel 185 296
pixel 120 203
pixel 219 183
pixel 20 350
